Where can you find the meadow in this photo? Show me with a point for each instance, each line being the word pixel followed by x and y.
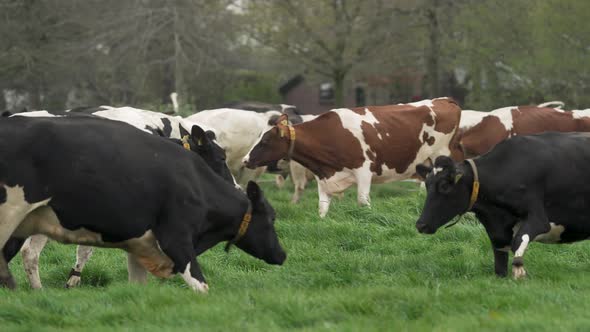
pixel 358 269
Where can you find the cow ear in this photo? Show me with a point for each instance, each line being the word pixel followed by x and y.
pixel 282 121
pixel 423 170
pixel 183 132
pixel 199 136
pixel 253 191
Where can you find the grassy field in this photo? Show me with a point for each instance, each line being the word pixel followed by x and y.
pixel 357 270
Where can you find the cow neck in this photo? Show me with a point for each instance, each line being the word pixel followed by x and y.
pixel 223 220
pixel 311 154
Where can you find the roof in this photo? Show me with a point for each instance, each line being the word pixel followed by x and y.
pixel 290 84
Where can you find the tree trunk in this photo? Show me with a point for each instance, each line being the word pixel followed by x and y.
pixel 433 52
pixel 179 86
pixel 338 78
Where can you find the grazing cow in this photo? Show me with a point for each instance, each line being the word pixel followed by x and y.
pixel 200 141
pixel 480 132
pixel 528 188
pixel 114 186
pixel 363 145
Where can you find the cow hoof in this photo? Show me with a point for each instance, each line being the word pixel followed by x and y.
pixel 74 281
pixel 8 282
pixel 518 272
pixel 201 287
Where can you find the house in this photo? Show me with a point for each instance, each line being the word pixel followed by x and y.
pixel 312 97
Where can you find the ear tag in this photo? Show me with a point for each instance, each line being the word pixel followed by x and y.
pixel 200 142
pixel 185 143
pixel 458 177
pixel 284 123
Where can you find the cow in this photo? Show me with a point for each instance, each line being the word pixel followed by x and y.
pixel 362 145
pixel 114 186
pixel 527 188
pixel 200 141
pixel 480 131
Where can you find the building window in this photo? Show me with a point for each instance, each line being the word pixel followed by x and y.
pixel 359 96
pixel 326 93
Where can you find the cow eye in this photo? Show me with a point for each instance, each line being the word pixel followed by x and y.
pixel 444 187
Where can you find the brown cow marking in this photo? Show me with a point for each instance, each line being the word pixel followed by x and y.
pixel 395 139
pixel 325 147
pixel 447 115
pixel 428 139
pixel 359 110
pixel 480 138
pixel 526 120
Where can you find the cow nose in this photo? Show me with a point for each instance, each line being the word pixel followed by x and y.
pixel 421 227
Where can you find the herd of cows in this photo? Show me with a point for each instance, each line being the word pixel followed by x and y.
pixel 166 188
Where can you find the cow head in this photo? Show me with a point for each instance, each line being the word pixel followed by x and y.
pixel 203 143
pixel 260 239
pixel 271 146
pixel 448 193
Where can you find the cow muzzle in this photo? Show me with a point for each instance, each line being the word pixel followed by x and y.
pixel 247 162
pixel 424 228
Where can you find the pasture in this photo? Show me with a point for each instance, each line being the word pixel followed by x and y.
pixel 357 269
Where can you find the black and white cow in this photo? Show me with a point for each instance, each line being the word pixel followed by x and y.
pixel 527 188
pixel 114 186
pixel 174 128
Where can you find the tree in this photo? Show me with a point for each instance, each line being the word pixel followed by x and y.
pixel 328 37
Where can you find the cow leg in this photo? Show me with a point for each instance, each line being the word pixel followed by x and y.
pixel 83 254
pixel 500 262
pixel 530 228
pixel 324 201
pixel 364 189
pixel 279 181
pixel 299 179
pixel 137 273
pixel 30 254
pixel 193 277
pixel 175 241
pixel 12 247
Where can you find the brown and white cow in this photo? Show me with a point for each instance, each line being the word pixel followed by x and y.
pixel 493 127
pixel 363 145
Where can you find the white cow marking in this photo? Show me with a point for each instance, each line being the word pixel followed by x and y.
pixel 471 118
pixel 553 236
pixel 40 114
pixel 579 114
pixel 505 116
pixel 193 283
pixel 523 245
pixel 426 102
pixel 436 170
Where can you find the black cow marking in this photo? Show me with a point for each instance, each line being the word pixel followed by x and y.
pixel 517 261
pixel 167 130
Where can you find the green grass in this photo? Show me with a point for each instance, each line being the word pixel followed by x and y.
pixel 357 270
